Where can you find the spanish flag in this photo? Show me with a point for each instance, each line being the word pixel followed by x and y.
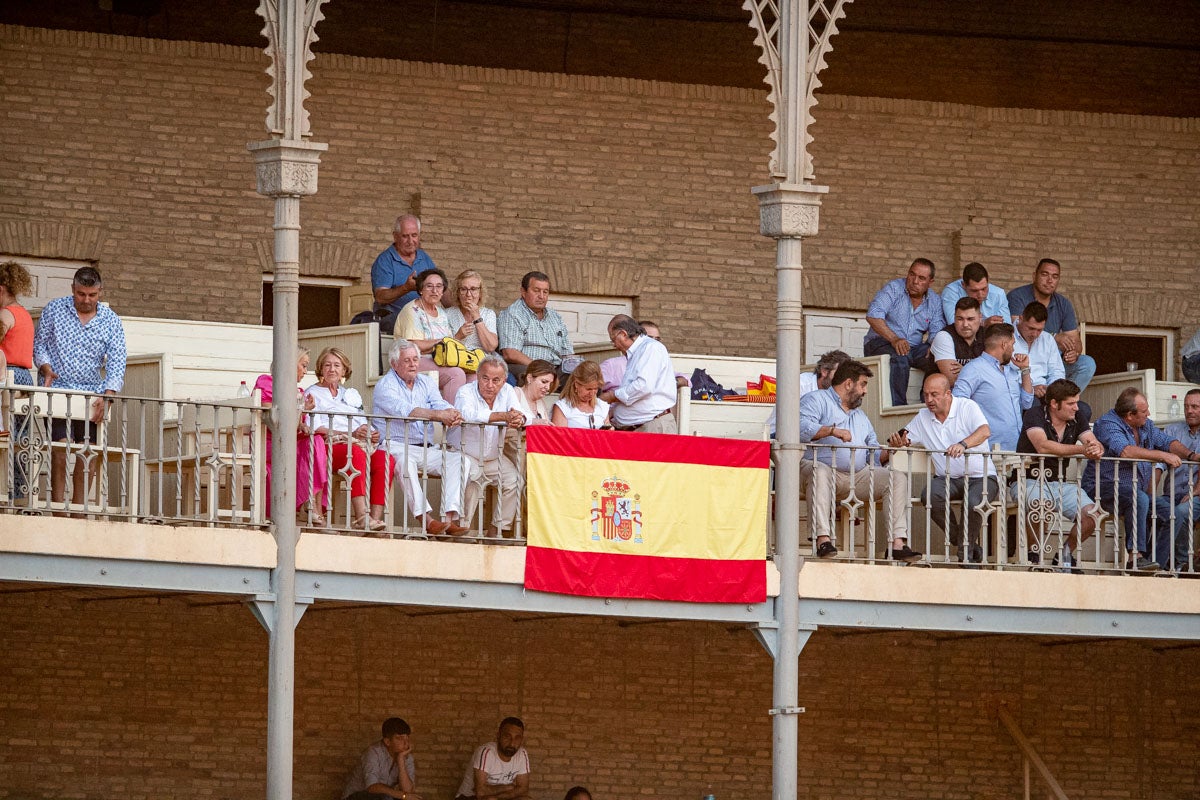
pixel 645 515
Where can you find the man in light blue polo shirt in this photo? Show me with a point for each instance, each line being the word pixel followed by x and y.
pixel 1184 491
pixel 843 457
pixel 394 273
pixel 993 302
pixel 904 316
pixel 999 382
pixel 1061 322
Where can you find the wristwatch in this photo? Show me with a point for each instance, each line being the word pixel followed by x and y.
pixel 477 321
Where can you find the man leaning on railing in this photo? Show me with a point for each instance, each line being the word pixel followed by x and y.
pixel 1183 493
pixel 1058 428
pixel 832 418
pixel 955 432
pixel 1127 432
pixel 404 392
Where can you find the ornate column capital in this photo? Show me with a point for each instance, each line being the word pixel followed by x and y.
pixel 789 210
pixel 286 168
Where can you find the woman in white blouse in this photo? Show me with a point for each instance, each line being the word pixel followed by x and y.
pixel 338 414
pixel 474 324
pixel 579 406
pixel 425 323
pixel 537 382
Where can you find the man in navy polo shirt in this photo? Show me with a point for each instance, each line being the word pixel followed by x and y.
pixel 394 273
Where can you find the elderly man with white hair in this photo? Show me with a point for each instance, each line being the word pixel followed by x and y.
pixel 405 392
pixel 488 406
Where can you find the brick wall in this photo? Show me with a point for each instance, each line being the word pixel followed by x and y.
pixel 106 697
pixel 137 146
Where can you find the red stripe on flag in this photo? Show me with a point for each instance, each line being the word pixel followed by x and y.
pixel 630 446
pixel 691 580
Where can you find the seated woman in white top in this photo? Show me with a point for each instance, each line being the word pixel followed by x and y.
pixel 337 414
pixel 425 323
pixel 537 382
pixel 579 406
pixel 473 324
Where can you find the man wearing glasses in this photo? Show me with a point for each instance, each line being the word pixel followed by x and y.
pixel 645 400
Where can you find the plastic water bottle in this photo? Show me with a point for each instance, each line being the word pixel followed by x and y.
pixel 708 794
pixel 1173 411
pixel 243 390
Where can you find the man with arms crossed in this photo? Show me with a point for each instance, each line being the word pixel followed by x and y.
pixel 1061 322
pixel 394 273
pixel 959 343
pixel 498 770
pixel 1058 428
pixel 386 768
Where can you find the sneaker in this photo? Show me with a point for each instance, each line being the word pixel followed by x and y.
pixel 905 553
pixel 1144 564
pixel 826 549
pixel 1067 563
pixel 1033 557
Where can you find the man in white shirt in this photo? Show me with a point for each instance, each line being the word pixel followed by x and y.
pixel 499 770
pixel 404 392
pixel 955 432
pixel 485 405
pixel 1045 360
pixel 646 398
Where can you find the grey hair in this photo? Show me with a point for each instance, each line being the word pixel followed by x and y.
pixel 495 360
pixel 398 347
pixel 400 220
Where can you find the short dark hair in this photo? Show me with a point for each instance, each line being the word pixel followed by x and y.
pixel 429 273
pixel 851 370
pixel 831 360
pixel 997 331
pixel 1191 392
pixel 1047 261
pixel 974 273
pixel 1127 401
pixel 926 262
pixel 393 726
pixel 967 303
pixel 1060 390
pixel 514 721
pixel 533 276
pixel 1035 311
pixel 578 792
pixel 87 276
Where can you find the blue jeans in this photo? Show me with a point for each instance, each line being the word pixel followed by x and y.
pixel 1187 514
pixel 1134 511
pixel 918 356
pixel 1082 371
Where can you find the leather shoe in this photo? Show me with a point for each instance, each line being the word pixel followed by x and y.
pixel 456 530
pixel 435 527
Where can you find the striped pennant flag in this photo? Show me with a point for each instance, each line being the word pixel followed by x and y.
pixel 643 515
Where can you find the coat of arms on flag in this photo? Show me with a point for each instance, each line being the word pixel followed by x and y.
pixel 649 516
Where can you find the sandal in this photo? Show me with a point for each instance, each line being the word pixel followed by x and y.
pixel 368 523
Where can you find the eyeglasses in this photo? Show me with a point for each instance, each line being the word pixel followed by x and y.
pixel 592 421
pixel 470 289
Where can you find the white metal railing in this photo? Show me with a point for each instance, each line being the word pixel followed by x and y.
pixel 206 463
pixel 1010 514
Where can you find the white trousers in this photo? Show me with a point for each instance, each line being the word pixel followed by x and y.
pixel 497 472
pixel 416 460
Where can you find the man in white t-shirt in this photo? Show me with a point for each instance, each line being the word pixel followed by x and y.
pixel 955 432
pixel 498 770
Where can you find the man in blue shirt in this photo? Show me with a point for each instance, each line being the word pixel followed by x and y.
pixel 80 345
pixel 1061 322
pixel 394 273
pixel 1184 492
pixel 993 302
pixel 844 457
pixel 1127 432
pixel 903 316
pixel 999 382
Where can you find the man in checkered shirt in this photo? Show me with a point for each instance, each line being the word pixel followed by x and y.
pixel 529 330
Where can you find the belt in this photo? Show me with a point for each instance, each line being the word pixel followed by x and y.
pixel 640 424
